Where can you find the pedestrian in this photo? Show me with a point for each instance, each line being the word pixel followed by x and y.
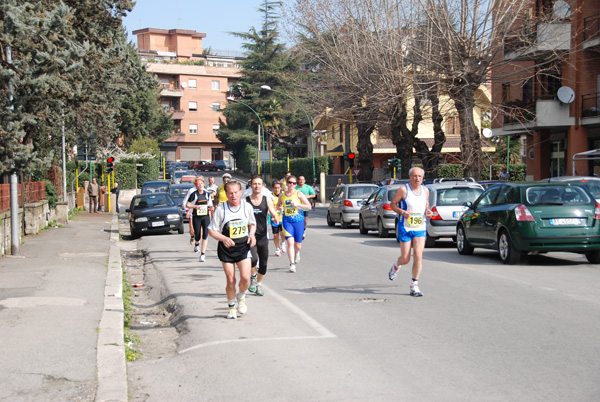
pixel 277 228
pixel 411 203
pixel 309 192
pixel 292 202
pixel 317 191
pixel 504 175
pixel 93 195
pixel 262 206
pixel 339 183
pixel 101 191
pixel 212 188
pixel 221 195
pixel 201 206
pixel 116 192
pixel 234 227
pixel 188 214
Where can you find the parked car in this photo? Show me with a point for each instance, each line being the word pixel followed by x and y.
pixel 154 213
pixel 177 175
pixel 447 202
pixel 156 186
pixel 517 218
pixel 187 179
pixel 376 212
pixel 345 203
pixel 591 183
pixel 389 182
pixel 205 166
pixel 178 192
pixel 221 165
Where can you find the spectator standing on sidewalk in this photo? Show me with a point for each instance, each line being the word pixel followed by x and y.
pixel 233 225
pixel 93 195
pixel 317 190
pixel 101 191
pixel 115 191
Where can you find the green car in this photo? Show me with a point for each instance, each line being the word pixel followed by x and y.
pixel 518 218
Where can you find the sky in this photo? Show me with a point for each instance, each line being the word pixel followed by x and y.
pixel 213 17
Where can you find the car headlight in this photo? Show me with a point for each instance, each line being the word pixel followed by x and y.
pixel 142 219
pixel 173 216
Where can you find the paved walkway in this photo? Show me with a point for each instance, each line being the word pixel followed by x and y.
pixel 61 315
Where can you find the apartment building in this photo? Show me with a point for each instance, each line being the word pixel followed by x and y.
pixel 547 87
pixel 194 90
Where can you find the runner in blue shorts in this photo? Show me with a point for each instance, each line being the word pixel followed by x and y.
pixel 292 203
pixel 411 203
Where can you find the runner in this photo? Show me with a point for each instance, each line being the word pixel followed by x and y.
pixel 262 205
pixel 234 227
pixel 212 188
pixel 411 203
pixel 309 192
pixel 277 227
pixel 188 213
pixel 292 202
pixel 201 204
pixel 221 193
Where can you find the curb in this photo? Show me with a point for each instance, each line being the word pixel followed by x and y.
pixel 112 370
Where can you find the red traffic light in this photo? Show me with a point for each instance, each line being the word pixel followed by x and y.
pixel 351 156
pixel 110 159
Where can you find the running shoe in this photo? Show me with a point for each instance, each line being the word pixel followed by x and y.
pixel 196 248
pixel 415 291
pixel 297 257
pixel 283 247
pixel 241 306
pixel 252 287
pixel 393 272
pixel 292 267
pixel 191 240
pixel 232 313
pixel 259 290
pixel 202 257
pixel 277 253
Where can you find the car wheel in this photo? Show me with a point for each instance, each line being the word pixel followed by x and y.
pixel 508 253
pixel 133 234
pixel 430 242
pixel 361 226
pixel 329 221
pixel 381 231
pixel 593 257
pixel 462 244
pixel 343 223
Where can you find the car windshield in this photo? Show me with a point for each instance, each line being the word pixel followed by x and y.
pixel 152 201
pixel 359 192
pixel 456 196
pixel 179 192
pixel 593 186
pixel 556 195
pixel 156 188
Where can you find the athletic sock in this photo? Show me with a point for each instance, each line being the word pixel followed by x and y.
pixel 231 302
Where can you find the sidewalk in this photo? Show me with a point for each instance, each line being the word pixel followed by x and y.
pixel 61 315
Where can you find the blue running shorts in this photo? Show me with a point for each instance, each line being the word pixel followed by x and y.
pixel 294 229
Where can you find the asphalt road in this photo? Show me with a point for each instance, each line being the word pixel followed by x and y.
pixel 339 330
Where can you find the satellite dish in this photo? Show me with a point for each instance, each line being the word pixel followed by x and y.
pixel 184 85
pixel 561 10
pixel 487 133
pixel 565 95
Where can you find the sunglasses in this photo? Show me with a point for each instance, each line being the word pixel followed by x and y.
pixel 291 182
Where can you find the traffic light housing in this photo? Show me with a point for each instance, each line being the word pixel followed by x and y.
pixel 110 164
pixel 351 158
pixel 394 162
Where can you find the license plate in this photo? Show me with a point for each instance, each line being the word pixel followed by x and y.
pixel 457 214
pixel 156 224
pixel 566 221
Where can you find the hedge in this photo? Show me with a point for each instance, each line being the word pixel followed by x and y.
pixel 299 167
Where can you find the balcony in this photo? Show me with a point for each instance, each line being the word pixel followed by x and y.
pixel 547 39
pixel 590 109
pixel 173 92
pixel 540 114
pixel 178 114
pixel 591 32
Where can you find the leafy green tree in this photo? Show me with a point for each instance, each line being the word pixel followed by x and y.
pixel 144 145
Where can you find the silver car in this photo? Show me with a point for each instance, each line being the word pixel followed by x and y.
pixel 376 212
pixel 446 200
pixel 345 203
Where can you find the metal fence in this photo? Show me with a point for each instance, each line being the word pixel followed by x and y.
pixel 27 192
pixel 590 105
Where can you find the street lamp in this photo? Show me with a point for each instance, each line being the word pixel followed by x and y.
pixel 312 145
pixel 232 99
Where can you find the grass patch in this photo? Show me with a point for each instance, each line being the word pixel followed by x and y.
pixel 131 341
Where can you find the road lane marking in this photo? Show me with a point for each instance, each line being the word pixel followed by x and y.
pixel 311 322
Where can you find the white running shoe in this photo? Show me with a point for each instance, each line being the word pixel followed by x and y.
pixel 277 253
pixel 232 313
pixel 415 291
pixel 196 248
pixel 297 257
pixel 241 306
pixel 292 267
pixel 393 272
pixel 283 247
pixel 202 258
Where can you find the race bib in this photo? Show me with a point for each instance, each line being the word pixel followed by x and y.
pixel 291 211
pixel 238 229
pixel 202 211
pixel 414 220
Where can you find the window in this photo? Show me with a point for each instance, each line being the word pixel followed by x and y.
pixel 528 90
pixel 216 85
pixel 452 126
pixel 216 107
pixel 193 129
pixel 488 197
pixel 193 106
pixel 505 92
pixel 215 129
pixel 192 84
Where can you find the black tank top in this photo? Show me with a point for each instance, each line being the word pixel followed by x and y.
pixel 260 214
